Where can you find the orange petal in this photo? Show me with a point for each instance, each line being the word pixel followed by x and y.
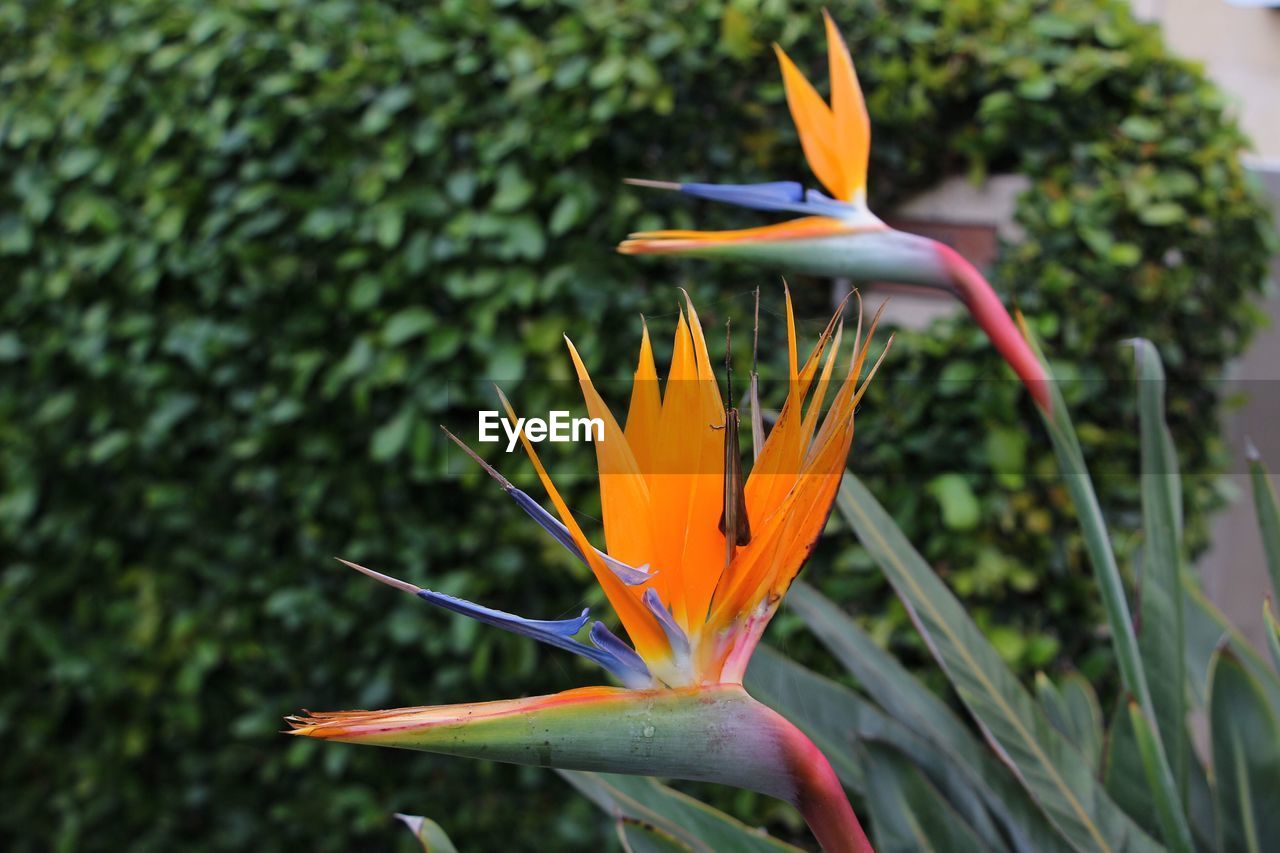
pixel 646 406
pixel 675 463
pixel 673 241
pixel 815 125
pixel 639 623
pixel 624 497
pixel 703 555
pixel 849 111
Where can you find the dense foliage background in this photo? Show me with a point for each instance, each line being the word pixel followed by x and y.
pixel 252 251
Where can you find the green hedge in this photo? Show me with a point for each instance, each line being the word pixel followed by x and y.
pixel 253 251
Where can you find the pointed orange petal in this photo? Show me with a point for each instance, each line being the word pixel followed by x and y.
pixel 820 393
pixel 646 406
pixel 675 463
pixel 815 125
pixel 639 623
pixel 624 497
pixel 849 112
pixel 703 555
pixel 779 462
pixel 673 241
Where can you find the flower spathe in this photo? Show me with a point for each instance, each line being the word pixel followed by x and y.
pixel 839 236
pixel 695 564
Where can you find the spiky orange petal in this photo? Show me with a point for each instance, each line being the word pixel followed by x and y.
pixel 815 125
pixel 849 112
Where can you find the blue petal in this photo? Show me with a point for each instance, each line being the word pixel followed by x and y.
pixel 676 637
pixel 774 195
pixel 538 629
pixel 548 522
pixel 557 632
pixel 631 668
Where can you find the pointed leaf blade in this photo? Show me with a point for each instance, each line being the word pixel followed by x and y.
pixel 842 723
pixel 1267 507
pixel 1161 638
pixel 1246 756
pixel 429 833
pixel 906 701
pixel 908 813
pixel 1053 772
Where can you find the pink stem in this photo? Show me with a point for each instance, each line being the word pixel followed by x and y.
pixel 820 797
pixel 987 309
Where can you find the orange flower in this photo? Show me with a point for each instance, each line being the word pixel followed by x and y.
pixel 839 236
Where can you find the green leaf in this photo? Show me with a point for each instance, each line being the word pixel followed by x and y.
pixel 1168 806
pixel 1267 507
pixel 841 723
pixel 407 324
pixel 513 192
pixel 907 812
pixel 1162 213
pixel 1079 483
pixel 1073 709
pixel 1246 756
pixel 1162 637
pixel 829 714
pixel 907 702
pixel 1273 631
pixel 1123 774
pixel 1141 129
pixel 1207 628
pixel 636 836
pixel 960 509
pixel 428 832
pixel 680 816
pixel 389 439
pixel 1053 772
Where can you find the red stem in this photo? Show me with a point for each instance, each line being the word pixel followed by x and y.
pixel 821 798
pixel 980 298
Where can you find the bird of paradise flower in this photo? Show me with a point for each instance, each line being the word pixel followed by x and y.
pixel 696 562
pixel 839 236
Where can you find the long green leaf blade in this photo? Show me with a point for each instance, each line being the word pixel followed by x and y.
pixel 1168 806
pixel 1050 768
pixel 1072 708
pixel 1161 638
pixel 1273 631
pixel 1267 508
pixel 907 701
pixel 1246 757
pixel 1079 483
pixel 908 813
pixel 1207 628
pixel 841 723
